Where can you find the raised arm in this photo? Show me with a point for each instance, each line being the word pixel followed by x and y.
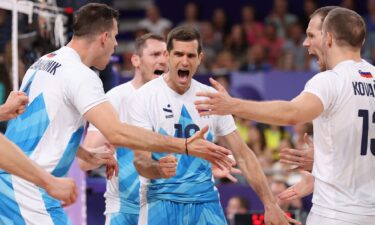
pixel 105 118
pixel 254 175
pixel 303 108
pixel 14 161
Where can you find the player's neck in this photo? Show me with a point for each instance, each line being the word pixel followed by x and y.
pixel 174 86
pixel 83 50
pixel 337 56
pixel 137 81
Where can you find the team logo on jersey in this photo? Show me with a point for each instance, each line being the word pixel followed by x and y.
pixel 168 112
pixel 365 74
pixel 51 55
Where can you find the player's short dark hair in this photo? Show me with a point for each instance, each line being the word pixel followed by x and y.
pixel 322 12
pixel 347 27
pixel 184 33
pixel 140 42
pixel 94 18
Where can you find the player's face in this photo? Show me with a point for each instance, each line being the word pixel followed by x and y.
pixel 109 44
pixel 314 39
pixel 183 61
pixel 153 62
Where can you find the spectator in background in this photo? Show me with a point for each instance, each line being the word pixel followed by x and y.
pixel 191 15
pixel 279 185
pixel 220 23
pixel 236 43
pixel 154 23
pixel 272 43
pixel 369 47
pixel 309 6
pixel 256 60
pixel 253 29
pixel 280 17
pixel 294 50
pixel 211 46
pixel 236 205
pixel 224 62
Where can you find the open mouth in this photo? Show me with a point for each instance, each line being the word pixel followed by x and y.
pixel 183 75
pixel 158 72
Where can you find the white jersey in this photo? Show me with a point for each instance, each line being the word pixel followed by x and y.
pixel 122 194
pixel 344 142
pixel 61 90
pixel 155 106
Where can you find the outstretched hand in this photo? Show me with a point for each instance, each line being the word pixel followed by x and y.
pixel 216 103
pixel 301 159
pixel 274 215
pixel 301 189
pixel 199 147
pixel 227 172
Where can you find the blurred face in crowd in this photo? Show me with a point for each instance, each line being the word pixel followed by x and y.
pixel 234 207
pixel 183 60
pixel 314 39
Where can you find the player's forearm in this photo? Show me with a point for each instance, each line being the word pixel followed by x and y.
pixel 254 175
pixel 14 161
pixel 4 113
pixel 147 167
pixel 86 160
pixel 270 112
pixel 138 138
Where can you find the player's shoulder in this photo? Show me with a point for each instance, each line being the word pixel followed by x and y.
pixel 152 86
pixel 120 90
pixel 198 86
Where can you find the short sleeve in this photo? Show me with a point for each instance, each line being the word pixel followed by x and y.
pixel 225 125
pixel 323 85
pixel 85 91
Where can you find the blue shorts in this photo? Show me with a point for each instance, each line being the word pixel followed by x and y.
pixel 121 219
pixel 163 212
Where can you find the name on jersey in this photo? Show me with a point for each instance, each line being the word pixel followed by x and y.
pixel 49 66
pixel 364 88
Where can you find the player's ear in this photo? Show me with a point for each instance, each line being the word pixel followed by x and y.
pixel 136 61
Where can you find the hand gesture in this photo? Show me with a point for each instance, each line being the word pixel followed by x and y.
pixel 302 159
pixel 63 189
pixel 274 215
pixel 15 104
pixel 301 189
pixel 226 172
pixel 104 155
pixel 199 147
pixel 167 166
pixel 217 103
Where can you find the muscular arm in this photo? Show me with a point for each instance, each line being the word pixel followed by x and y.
pixel 254 175
pixel 303 108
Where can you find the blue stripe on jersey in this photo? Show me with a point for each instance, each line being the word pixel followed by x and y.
pixel 69 153
pixel 128 181
pixel 9 210
pixel 193 180
pixel 26 89
pixel 123 219
pixel 27 129
pixel 54 209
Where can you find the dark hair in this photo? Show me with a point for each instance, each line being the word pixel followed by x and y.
pixel 347 27
pixel 184 33
pixel 322 12
pixel 94 18
pixel 140 42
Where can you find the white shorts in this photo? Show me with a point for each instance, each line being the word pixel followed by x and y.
pixel 315 219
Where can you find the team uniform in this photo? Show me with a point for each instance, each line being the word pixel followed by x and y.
pixel 190 197
pixel 61 89
pixel 122 194
pixel 344 162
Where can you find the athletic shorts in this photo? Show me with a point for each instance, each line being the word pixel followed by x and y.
pixel 121 219
pixel 163 212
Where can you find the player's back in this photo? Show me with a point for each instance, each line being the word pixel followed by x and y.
pixel 344 139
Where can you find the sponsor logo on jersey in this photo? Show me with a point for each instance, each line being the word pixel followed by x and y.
pixel 168 112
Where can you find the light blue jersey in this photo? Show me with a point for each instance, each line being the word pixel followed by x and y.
pixel 122 194
pixel 61 89
pixel 155 106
